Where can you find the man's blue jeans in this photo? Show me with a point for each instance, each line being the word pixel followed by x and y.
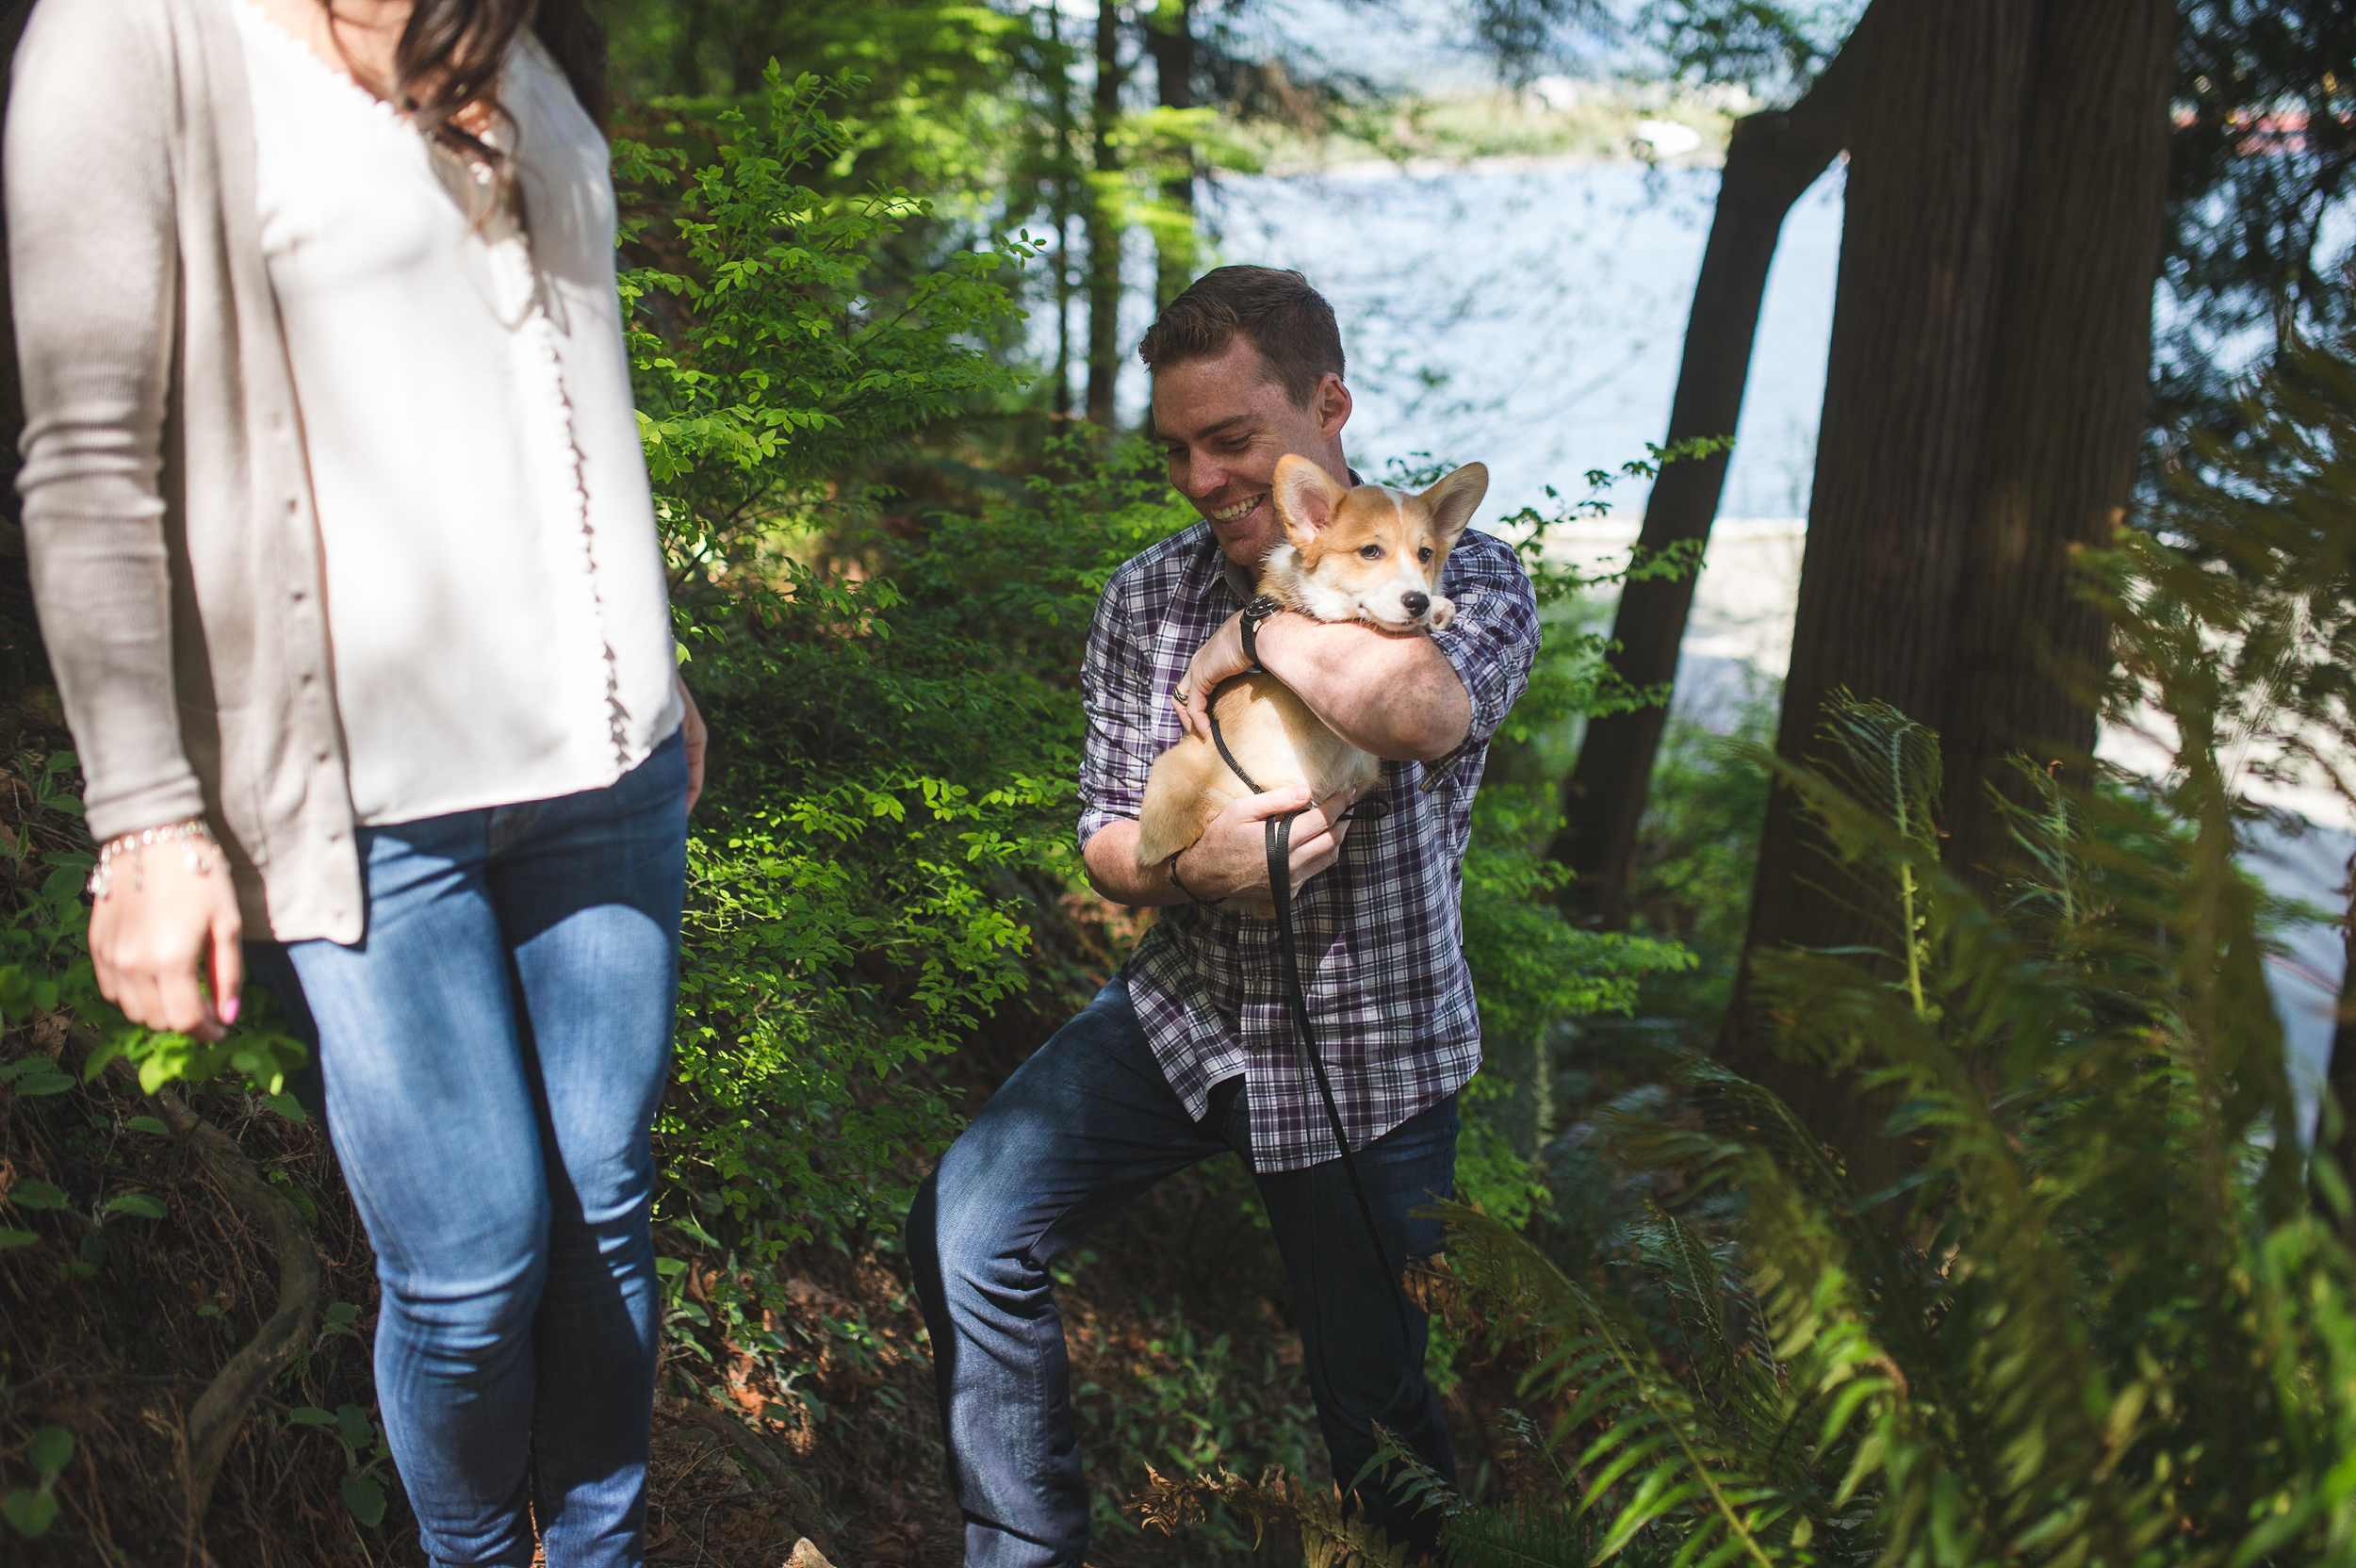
pixel 494 1049
pixel 1085 1125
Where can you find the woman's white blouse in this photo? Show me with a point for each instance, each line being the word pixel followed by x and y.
pixel 495 596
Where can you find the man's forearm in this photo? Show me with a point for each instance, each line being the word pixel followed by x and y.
pixel 1111 854
pixel 1397 697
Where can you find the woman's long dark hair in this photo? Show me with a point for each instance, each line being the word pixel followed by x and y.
pixel 450 56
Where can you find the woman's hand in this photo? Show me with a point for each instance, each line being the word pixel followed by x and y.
pixel 161 920
pixel 697 738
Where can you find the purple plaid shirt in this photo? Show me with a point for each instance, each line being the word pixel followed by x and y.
pixel 1389 992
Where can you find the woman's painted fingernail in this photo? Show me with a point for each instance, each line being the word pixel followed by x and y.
pixel 229 1010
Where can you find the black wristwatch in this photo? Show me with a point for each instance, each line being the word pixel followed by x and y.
pixel 1254 613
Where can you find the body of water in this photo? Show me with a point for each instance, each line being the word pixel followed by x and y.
pixel 1532 317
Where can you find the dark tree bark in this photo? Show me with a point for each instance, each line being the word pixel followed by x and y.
pixel 1172 44
pixel 1103 222
pixel 1932 170
pixel 1060 98
pixel 2067 405
pixel 2336 1138
pixel 23 660
pixel 1771 161
pixel 1982 410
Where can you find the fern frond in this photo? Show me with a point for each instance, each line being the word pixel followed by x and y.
pixel 1673 1448
pixel 1519 1537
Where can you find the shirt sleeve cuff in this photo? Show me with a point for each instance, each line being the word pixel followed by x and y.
pixel 1094 822
pixel 1487 683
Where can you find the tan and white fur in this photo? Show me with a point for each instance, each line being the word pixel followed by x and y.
pixel 1371 554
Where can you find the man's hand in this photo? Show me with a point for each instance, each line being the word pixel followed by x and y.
pixel 1220 658
pixel 159 923
pixel 1230 861
pixel 697 740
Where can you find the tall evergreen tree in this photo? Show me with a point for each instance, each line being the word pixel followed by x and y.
pixel 1983 404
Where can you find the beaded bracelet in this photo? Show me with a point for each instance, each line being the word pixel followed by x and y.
pixel 192 836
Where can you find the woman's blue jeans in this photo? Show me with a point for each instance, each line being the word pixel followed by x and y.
pixel 493 1050
pixel 1086 1124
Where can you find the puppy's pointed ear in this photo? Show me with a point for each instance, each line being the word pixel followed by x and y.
pixel 1453 498
pixel 1306 497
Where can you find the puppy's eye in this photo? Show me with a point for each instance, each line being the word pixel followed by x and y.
pixel 1424 555
pixel 1371 552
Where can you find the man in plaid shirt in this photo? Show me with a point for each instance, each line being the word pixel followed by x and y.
pixel 1190 1051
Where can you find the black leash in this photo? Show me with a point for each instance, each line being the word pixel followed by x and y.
pixel 1278 834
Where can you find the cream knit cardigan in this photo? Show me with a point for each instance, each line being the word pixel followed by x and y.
pixel 168 515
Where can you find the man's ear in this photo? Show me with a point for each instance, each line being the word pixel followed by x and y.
pixel 1331 404
pixel 1453 498
pixel 1304 495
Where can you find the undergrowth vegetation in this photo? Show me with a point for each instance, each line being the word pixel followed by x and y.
pixel 2109 1315
pixel 881 597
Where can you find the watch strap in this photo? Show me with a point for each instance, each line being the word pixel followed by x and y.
pixel 1259 610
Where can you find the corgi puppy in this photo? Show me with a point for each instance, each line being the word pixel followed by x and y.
pixel 1372 554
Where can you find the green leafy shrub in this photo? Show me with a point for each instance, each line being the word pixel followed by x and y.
pixel 2097 1286
pixel 2109 1315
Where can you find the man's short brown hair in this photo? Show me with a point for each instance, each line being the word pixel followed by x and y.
pixel 1273 310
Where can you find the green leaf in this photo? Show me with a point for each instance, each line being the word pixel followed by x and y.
pixel 29 1513
pixel 295 1195
pixel 51 1447
pixel 285 1105
pixel 366 1499
pixel 30 1194
pixel 23 1065
pixel 341 1315
pixel 354 1425
pixel 139 1206
pixel 15 1238
pixel 94 1248
pixel 44 1083
pixel 148 1124
pixel 670 1267
pixel 310 1416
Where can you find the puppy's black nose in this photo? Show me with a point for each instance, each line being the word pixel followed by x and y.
pixel 1416 603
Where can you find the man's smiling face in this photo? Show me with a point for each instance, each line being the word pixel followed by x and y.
pixel 1224 420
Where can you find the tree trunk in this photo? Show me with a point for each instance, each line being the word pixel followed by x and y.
pixel 1172 46
pixel 2336 1136
pixel 1773 159
pixel 1986 395
pixel 1060 102
pixel 1105 222
pixel 24 663
pixel 1934 157
pixel 2067 409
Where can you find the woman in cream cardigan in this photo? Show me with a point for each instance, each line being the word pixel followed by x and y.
pixel 348 573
